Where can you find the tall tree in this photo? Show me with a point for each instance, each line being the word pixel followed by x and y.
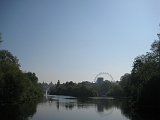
pixel 11 84
pixel 15 86
pixel 145 78
pixel 125 83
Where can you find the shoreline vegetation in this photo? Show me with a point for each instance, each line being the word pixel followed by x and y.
pixel 140 87
pixel 16 86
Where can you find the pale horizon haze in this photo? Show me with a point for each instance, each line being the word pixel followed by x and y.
pixel 74 40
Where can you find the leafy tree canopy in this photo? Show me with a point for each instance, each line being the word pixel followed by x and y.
pixel 15 86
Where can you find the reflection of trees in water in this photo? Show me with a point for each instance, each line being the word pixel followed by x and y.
pixel 142 114
pixel 57 104
pixel 85 103
pixel 69 105
pixel 147 114
pixel 105 107
pixel 18 112
pixel 100 107
pixel 60 102
pixel 125 109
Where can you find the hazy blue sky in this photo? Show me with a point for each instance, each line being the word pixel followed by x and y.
pixel 77 39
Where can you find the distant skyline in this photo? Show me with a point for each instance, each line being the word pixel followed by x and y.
pixel 71 40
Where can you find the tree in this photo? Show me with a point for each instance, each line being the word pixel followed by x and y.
pixel 32 77
pixel 7 58
pixel 150 96
pixel 11 84
pixel 72 89
pixel 155 48
pixel 115 91
pixel 15 86
pixel 125 83
pixel 104 87
pixel 143 77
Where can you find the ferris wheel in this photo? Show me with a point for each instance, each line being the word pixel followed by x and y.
pixel 105 76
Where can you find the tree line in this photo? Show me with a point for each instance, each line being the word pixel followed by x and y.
pixel 73 89
pixel 87 89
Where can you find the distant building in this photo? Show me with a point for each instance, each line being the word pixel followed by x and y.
pixel 99 80
pixel 50 84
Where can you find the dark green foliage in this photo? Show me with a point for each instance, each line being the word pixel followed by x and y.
pixel 86 91
pixel 105 87
pixel 73 89
pixel 10 83
pixel 144 79
pixel 32 77
pixel 150 96
pixel 102 88
pixel 7 58
pixel 125 83
pixel 142 86
pixel 115 91
pixel 15 86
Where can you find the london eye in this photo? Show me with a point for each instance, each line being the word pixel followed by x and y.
pixel 104 76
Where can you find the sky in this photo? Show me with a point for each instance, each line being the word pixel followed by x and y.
pixel 74 40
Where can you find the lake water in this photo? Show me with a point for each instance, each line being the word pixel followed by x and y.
pixel 69 108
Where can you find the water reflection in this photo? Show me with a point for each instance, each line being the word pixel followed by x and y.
pixel 103 106
pixel 66 107
pixel 18 112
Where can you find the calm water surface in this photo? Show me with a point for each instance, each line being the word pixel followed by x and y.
pixel 69 108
